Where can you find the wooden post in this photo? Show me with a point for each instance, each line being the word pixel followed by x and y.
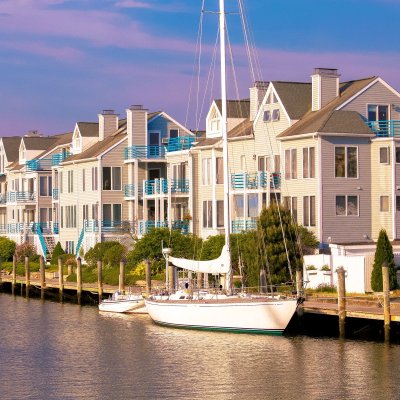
pixel 60 276
pixel 121 286
pixel 206 281
pixel 263 281
pixel 1 268
pixel 100 278
pixel 42 277
pixel 171 274
pixel 27 275
pixel 69 269
pixel 199 280
pixel 386 300
pixel 341 301
pixel 79 279
pixel 299 283
pixel 14 273
pixel 148 277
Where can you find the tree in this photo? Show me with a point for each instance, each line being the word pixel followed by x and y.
pixel 7 248
pixel 57 252
pixel 384 252
pixel 99 251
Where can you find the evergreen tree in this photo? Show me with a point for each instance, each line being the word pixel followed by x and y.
pixel 58 251
pixel 384 252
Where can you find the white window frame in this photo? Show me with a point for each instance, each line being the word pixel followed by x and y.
pixel 207 171
pixel 387 148
pixel 380 203
pixel 112 179
pixel 267 116
pixel 276 115
pixel 345 162
pixel 346 203
pixel 310 165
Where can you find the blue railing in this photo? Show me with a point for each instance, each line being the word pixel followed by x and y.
pixel 91 225
pixel 181 225
pixel 79 244
pixel 275 180
pixel 385 128
pixel 16 227
pixel 56 159
pixel 146 152
pixel 116 226
pixel 146 226
pixel 3 228
pixel 180 186
pixel 37 229
pixel 180 143
pixel 256 180
pixel 129 190
pixel 20 197
pixel 56 228
pixel 155 186
pixel 56 194
pixel 39 165
pixel 242 225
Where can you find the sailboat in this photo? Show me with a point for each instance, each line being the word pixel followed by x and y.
pixel 220 312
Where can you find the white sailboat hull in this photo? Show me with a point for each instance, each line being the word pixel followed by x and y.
pixel 237 315
pixel 123 304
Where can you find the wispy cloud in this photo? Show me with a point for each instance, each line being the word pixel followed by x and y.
pixel 133 4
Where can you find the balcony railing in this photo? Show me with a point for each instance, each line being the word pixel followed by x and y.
pixel 129 190
pixel 21 197
pixel 93 226
pixel 180 185
pixel 385 128
pixel 180 143
pixel 160 186
pixel 3 198
pixel 242 225
pixel 146 226
pixel 144 152
pixel 43 164
pixel 255 180
pixel 3 228
pixel 56 159
pixel 56 194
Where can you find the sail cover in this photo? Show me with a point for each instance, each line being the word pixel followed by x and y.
pixel 220 265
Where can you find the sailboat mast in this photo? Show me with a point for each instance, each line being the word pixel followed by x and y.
pixel 224 128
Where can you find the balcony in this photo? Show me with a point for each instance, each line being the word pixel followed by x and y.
pixel 93 226
pixel 243 225
pixel 17 227
pixel 129 190
pixel 43 164
pixel 180 143
pixel 56 194
pixel 3 229
pixel 144 152
pixel 56 159
pixel 161 186
pixel 180 186
pixel 146 226
pixel 21 197
pixel 385 128
pixel 255 180
pixel 47 228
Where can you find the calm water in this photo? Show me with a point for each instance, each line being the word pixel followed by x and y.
pixel 63 351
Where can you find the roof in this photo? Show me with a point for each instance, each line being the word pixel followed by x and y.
pixel 331 121
pixel 39 143
pixel 236 108
pixel 11 147
pixel 296 97
pixel 88 129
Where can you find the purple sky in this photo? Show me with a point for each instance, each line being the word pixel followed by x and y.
pixel 63 61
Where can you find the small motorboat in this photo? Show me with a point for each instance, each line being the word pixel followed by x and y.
pixel 122 303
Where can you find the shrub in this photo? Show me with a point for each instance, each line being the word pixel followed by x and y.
pixel 58 251
pixel 325 268
pixel 25 249
pixel 311 268
pixel 98 251
pixel 326 287
pixel 114 255
pixel 7 248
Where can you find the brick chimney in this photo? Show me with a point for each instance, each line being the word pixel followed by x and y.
pixel 325 87
pixel 108 123
pixel 136 125
pixel 257 94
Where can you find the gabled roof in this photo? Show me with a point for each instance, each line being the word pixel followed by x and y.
pixel 328 119
pixel 39 143
pixel 11 147
pixel 295 97
pixel 235 108
pixel 88 129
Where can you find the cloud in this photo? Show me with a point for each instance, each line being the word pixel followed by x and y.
pixel 133 4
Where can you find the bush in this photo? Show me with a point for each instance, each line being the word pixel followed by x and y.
pixel 26 249
pixel 98 252
pixel 7 248
pixel 114 255
pixel 326 287
pixel 57 252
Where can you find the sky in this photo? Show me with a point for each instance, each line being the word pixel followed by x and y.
pixel 64 61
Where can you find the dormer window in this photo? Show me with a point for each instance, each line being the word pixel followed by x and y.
pixel 276 115
pixel 272 98
pixel 76 143
pixel 267 116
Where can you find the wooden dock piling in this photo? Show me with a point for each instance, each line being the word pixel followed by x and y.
pixel 1 268
pixel 100 278
pixel 27 275
pixel 299 283
pixel 79 279
pixel 121 286
pixel 60 276
pixel 386 300
pixel 341 301
pixel 148 277
pixel 42 276
pixel 172 276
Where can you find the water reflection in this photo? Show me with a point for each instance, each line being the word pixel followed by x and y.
pixel 63 351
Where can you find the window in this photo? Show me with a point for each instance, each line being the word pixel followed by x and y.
pixel 69 247
pixel 85 212
pixel 45 185
pixel 397 203
pixel 62 217
pixel 94 179
pixel 309 216
pixel 397 154
pixel 111 178
pixel 61 182
pixel 347 205
pixel 276 114
pixel 173 133
pixel 207 214
pixel 252 205
pixel 346 162
pixel 277 163
pixel 384 155
pixel 384 203
pixel 112 214
pixel 70 216
pixel 220 170
pixel 220 213
pixel 309 162
pixel 264 163
pixel 377 112
pixel 70 181
pixel 95 211
pixel 267 116
pixel 238 206
pixel 83 180
pixel 206 176
pixel 291 164
pixel 291 204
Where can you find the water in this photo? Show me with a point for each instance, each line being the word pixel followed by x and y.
pixel 50 350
